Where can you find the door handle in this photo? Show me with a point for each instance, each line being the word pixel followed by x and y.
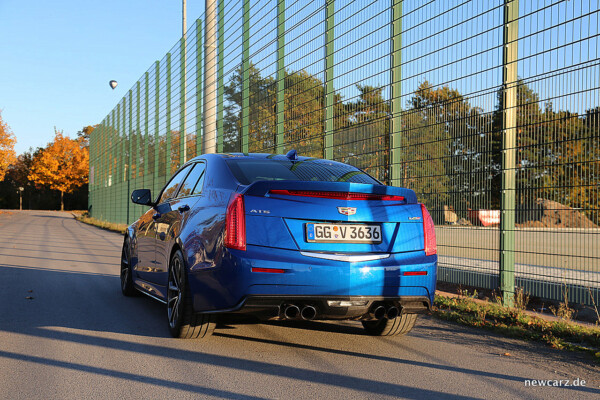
pixel 184 208
pixel 156 216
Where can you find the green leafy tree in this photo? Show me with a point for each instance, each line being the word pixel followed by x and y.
pixel 362 137
pixel 304 100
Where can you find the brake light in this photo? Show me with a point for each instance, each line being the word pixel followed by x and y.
pixel 338 195
pixel 429 232
pixel 235 223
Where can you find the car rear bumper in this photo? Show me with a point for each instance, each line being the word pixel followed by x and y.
pixel 247 279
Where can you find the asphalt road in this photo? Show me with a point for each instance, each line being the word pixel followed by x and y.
pixel 66 332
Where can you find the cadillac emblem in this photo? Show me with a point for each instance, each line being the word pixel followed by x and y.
pixel 347 210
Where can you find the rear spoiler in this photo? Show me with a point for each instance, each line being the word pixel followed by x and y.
pixel 262 188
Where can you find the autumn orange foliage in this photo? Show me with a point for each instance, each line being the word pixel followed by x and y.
pixel 7 148
pixel 63 165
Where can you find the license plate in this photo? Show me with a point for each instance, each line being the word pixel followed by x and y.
pixel 343 233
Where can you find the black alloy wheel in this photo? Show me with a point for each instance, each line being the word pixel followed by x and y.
pixel 127 286
pixel 183 321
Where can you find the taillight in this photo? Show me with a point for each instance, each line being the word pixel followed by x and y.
pixel 429 231
pixel 338 195
pixel 235 223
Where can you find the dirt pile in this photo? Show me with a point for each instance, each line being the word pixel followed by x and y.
pixel 551 214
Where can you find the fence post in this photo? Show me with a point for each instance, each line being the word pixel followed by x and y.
pixel 109 163
pixel 118 166
pixel 329 89
pixel 120 175
pixel 138 131
pixel 182 101
pixel 129 167
pixel 199 98
pixel 168 122
pixel 280 76
pixel 509 131
pixel 395 178
pixel 156 124
pixel 146 163
pixel 220 71
pixel 246 77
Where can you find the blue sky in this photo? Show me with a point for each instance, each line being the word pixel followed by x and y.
pixel 57 58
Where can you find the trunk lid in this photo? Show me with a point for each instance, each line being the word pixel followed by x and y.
pixel 278 214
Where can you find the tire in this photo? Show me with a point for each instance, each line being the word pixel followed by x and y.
pixel 400 325
pixel 127 286
pixel 183 322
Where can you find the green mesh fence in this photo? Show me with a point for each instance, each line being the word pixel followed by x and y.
pixel 488 109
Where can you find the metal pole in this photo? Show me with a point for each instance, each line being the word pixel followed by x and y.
pixel 168 171
pixel 220 71
pixel 199 87
pixel 155 184
pixel 146 163
pixel 130 169
pixel 396 106
pixel 138 133
pixel 182 101
pixel 246 77
pixel 329 90
pixel 183 19
pixel 125 163
pixel 209 144
pixel 118 167
pixel 182 144
pixel 280 77
pixel 509 131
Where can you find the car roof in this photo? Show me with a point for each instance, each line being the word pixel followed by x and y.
pixel 263 156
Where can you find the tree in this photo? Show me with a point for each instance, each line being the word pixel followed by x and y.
pixel 444 149
pixel 304 101
pixel 85 133
pixel 362 132
pixel 7 148
pixel 63 165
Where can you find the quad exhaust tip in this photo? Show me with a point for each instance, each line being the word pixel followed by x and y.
pixel 291 312
pixel 382 311
pixel 392 312
pixel 379 312
pixel 308 313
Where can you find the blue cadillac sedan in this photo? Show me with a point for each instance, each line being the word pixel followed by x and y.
pixel 281 237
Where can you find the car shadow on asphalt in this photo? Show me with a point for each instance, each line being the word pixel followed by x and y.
pixel 88 308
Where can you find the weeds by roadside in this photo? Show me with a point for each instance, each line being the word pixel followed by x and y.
pixel 86 219
pixel 514 322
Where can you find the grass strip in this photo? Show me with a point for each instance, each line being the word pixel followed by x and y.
pixel 121 228
pixel 514 323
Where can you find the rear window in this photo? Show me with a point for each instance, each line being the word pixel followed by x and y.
pixel 247 171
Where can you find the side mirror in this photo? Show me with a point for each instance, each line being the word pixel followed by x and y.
pixel 142 196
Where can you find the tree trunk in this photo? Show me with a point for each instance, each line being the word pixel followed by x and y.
pixel 62 204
